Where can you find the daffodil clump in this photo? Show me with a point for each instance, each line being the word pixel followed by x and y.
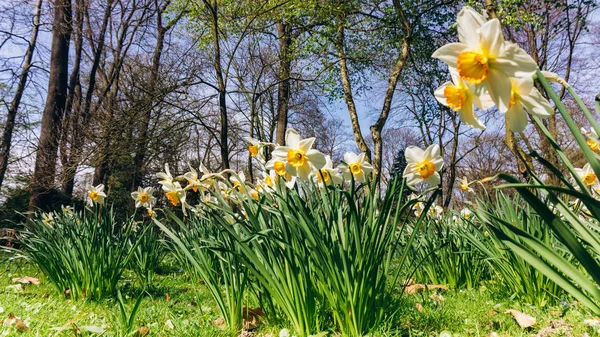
pixel 486 70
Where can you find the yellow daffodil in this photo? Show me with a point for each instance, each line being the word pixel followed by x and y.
pixel 484 59
pixel 423 165
pixel 143 197
pixel 466 213
pixel 150 212
pixel 587 175
pixel 328 175
pixel 525 97
pixel 238 181
pixel 458 96
pixel 356 166
pixel 593 140
pixel 96 195
pixel 175 194
pixel 165 177
pixel 464 185
pixel 299 157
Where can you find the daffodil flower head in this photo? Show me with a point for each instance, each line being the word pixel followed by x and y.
pixel 299 157
pixel 96 195
pixel 524 97
pixel 423 166
pixel 67 210
pixel 587 175
pixel 238 181
pixel 48 218
pixel 356 166
pixel 458 95
pixel 593 140
pixel 255 148
pixel 484 59
pixel 465 213
pixel 175 194
pixel 328 175
pixel 143 197
pixel 192 179
pixel 464 185
pixel 165 177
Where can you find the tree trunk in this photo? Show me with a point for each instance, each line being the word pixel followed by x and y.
pixel 284 72
pixel 45 163
pixel 348 96
pixel 14 105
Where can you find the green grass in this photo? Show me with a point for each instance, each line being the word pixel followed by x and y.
pixel 475 312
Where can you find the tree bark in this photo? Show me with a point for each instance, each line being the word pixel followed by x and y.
pixel 348 96
pixel 46 154
pixel 14 105
pixel 284 87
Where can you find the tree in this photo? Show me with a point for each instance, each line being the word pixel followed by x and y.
pixel 46 154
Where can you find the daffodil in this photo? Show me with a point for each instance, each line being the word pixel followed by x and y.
pixel 525 97
pixel 96 195
pixel 67 210
pixel 150 212
pixel 459 96
pixel 175 194
pixel 165 177
pixel 328 175
pixel 587 175
pixel 48 218
pixel 484 59
pixel 238 181
pixel 278 167
pixel 593 140
pixel 267 182
pixel 143 197
pixel 255 148
pixel 356 166
pixel 423 165
pixel 192 179
pixel 299 157
pixel 436 211
pixel 464 185
pixel 465 213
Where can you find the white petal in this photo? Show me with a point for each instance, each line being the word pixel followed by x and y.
pixel 433 179
pixel 516 117
pixel 350 157
pixel 306 144
pixel 467 115
pixel 304 171
pixel 316 158
pixel 449 53
pixel 514 61
pixel 468 21
pixel 280 153
pixel 292 138
pixel 413 155
pixel 499 88
pixel 491 38
pixel 439 93
pixel 432 151
pixel 536 104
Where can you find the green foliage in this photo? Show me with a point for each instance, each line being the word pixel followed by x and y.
pixel 83 252
pixel 519 276
pixel 445 255
pixel 149 251
pixel 211 255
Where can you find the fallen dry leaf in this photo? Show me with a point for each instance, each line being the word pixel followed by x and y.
pixel 419 307
pixel 437 297
pixel 20 325
pixel 252 317
pixel 26 280
pixel 556 328
pixel 219 323
pixel 416 288
pixel 525 321
pixel 492 312
pixel 167 297
pixel 141 332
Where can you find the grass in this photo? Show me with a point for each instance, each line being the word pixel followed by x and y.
pixel 190 310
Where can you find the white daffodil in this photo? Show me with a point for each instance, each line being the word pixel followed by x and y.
pixel 143 197
pixel 423 165
pixel 175 194
pixel 525 97
pixel 328 174
pixel 48 218
pixel 192 179
pixel 357 166
pixel 298 155
pixel 150 212
pixel 279 168
pixel 464 185
pixel 593 140
pixel 67 210
pixel 165 177
pixel 96 195
pixel 587 175
pixel 267 182
pixel 458 96
pixel 484 59
pixel 255 148
pixel 436 211
pixel 466 213
pixel 238 181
